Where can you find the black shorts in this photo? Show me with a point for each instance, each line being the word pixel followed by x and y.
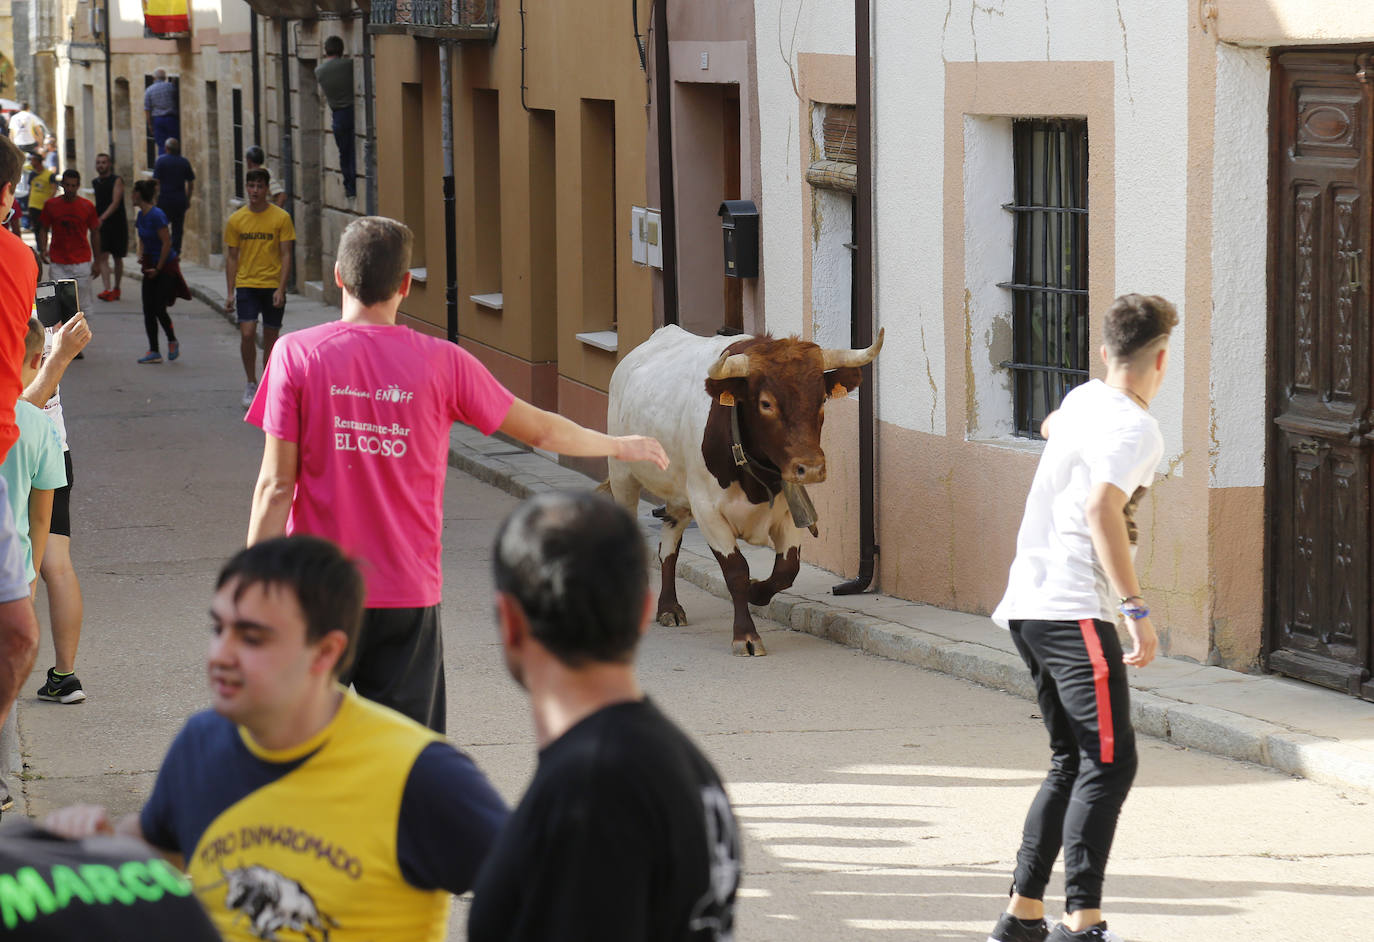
pixel 399 663
pixel 114 236
pixel 62 503
pixel 250 302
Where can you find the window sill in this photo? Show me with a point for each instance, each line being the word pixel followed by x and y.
pixel 1027 446
pixel 494 301
pixel 419 274
pixel 608 340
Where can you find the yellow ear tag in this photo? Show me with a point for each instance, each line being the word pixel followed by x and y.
pixel 838 391
pixel 726 399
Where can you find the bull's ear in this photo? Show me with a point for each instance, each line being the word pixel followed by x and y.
pixel 727 392
pixel 840 383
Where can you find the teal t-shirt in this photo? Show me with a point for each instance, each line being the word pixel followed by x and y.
pixel 35 461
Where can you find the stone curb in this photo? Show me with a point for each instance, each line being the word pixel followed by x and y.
pixel 517 471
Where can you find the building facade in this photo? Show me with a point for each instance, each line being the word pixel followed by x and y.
pixel 563 166
pixel 233 93
pixel 548 157
pixel 1029 166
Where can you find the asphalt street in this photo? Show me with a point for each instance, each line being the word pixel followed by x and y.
pixel 878 801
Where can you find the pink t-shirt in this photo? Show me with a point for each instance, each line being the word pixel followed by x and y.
pixel 370 407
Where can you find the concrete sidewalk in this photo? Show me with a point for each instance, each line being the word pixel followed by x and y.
pixel 1284 724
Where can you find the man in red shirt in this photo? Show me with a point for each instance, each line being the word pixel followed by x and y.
pixel 18 284
pixel 75 228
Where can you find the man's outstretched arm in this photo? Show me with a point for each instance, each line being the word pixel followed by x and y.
pixel 539 428
pixel 77 822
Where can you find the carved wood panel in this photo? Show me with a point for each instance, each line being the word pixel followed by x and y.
pixel 1322 438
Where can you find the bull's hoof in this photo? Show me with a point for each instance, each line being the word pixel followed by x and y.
pixel 672 617
pixel 748 647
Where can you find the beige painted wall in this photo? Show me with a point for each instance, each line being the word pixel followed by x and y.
pixel 540 200
pixel 724 32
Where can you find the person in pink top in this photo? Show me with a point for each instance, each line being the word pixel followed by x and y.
pixel 356 415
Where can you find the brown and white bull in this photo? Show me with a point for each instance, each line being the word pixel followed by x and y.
pixel 738 417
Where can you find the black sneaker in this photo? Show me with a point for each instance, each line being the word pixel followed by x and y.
pixel 61 689
pixel 1011 929
pixel 1097 933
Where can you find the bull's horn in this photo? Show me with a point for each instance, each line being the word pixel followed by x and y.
pixel 834 359
pixel 729 366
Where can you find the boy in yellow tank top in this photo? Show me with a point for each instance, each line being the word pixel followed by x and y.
pixel 295 805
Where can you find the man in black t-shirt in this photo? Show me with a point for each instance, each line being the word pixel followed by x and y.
pixel 626 832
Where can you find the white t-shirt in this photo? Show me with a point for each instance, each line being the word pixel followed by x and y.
pixel 1098 435
pixel 22 131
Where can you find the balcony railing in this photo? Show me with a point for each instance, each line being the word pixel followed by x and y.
pixel 436 19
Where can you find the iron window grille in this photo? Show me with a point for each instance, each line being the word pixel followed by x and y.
pixel 1049 283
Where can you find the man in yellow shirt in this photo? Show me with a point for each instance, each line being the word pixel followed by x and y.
pixel 259 240
pixel 296 806
pixel 43 186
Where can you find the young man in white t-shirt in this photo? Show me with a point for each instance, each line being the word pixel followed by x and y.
pixel 1074 571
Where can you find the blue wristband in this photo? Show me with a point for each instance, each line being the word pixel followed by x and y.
pixel 1134 612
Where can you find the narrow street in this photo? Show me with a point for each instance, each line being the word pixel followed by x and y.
pixel 879 801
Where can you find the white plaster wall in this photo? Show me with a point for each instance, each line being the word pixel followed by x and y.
pixel 832 262
pixel 206 14
pixel 908 181
pixel 126 19
pixel 831 269
pixel 1147 42
pixel 1240 186
pixel 989 244
pixel 784 28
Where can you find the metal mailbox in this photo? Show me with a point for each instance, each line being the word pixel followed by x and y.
pixel 739 223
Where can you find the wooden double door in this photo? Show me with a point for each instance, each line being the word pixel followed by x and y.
pixel 1321 440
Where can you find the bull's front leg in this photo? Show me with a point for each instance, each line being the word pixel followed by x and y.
pixel 735 568
pixel 785 569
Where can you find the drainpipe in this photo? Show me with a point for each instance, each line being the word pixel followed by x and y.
pixel 257 79
pixel 288 154
pixel 450 220
pixel 109 89
pixel 369 142
pixel 861 323
pixel 663 80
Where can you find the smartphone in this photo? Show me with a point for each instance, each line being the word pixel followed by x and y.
pixel 57 302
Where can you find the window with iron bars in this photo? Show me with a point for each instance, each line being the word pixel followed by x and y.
pixel 1049 285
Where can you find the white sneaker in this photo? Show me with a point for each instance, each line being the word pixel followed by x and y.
pixel 249 392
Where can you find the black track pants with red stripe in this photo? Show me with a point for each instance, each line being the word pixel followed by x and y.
pixel 1080 682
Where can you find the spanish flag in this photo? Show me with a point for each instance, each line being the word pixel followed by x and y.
pixel 166 16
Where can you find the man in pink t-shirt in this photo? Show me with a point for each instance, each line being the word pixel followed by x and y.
pixel 357 415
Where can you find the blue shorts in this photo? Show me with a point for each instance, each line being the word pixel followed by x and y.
pixel 250 302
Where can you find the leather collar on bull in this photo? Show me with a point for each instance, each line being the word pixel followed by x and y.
pixel 798 501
